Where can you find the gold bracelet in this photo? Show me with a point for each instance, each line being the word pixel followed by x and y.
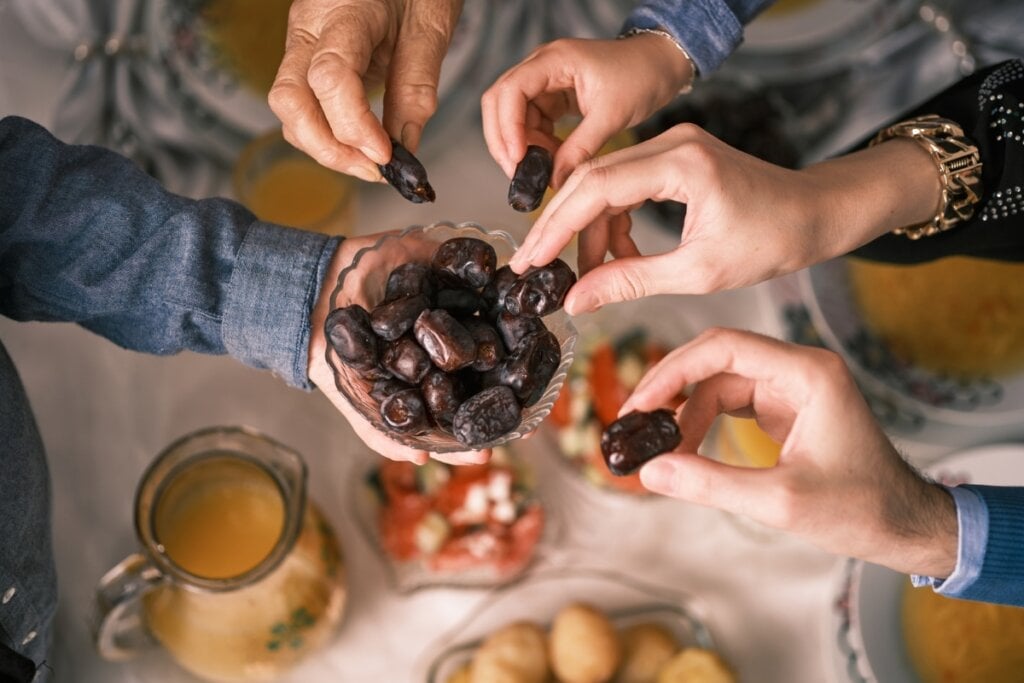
pixel 959 165
pixel 665 34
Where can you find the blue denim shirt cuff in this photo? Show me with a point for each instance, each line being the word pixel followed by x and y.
pixel 274 286
pixel 972 520
pixel 709 30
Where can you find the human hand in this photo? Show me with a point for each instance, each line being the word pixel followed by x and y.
pixel 838 484
pixel 612 84
pixel 338 49
pixel 746 220
pixel 322 375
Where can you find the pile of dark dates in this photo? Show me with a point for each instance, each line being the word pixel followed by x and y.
pixel 456 345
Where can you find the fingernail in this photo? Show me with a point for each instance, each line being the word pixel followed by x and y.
pixel 658 475
pixel 411 136
pixel 584 302
pixel 374 155
pixel 517 262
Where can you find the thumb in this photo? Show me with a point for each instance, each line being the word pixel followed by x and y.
pixel 627 279
pixel 582 144
pixel 410 96
pixel 701 480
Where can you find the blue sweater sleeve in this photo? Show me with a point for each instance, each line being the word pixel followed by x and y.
pixel 990 556
pixel 87 237
pixel 710 30
pixel 1001 578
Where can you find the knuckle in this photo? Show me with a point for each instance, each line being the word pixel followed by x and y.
pixel 630 285
pixel 323 72
pixel 420 97
pixel 285 98
pixel 830 368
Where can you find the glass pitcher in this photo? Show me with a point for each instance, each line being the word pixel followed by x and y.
pixel 239 576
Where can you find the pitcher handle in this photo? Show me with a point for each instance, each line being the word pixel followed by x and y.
pixel 120 628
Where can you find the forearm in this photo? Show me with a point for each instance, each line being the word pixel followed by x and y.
pixel 864 195
pixel 87 237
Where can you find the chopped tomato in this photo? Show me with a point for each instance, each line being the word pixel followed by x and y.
pixel 398 522
pixel 608 393
pixel 560 413
pixel 525 534
pixel 397 478
pixel 452 493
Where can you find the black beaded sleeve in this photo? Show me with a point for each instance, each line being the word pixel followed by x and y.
pixel 989 105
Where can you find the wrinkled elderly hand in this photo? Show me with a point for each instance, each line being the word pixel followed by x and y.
pixel 746 220
pixel 336 50
pixel 321 374
pixel 839 483
pixel 612 84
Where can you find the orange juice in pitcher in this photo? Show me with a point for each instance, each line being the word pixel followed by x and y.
pixel 240 575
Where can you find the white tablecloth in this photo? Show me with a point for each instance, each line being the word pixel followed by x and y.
pixel 105 412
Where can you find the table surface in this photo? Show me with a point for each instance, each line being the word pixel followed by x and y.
pixel 105 412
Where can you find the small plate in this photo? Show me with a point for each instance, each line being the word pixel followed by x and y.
pixel 539 598
pixel 412 575
pixel 816 37
pixel 988 403
pixel 865 616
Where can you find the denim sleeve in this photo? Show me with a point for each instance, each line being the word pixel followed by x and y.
pixel 710 30
pixel 87 237
pixel 990 555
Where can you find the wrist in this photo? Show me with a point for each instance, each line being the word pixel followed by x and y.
pixel 861 196
pixel 664 56
pixel 317 339
pixel 925 532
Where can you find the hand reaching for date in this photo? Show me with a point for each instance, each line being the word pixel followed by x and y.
pixel 746 221
pixel 337 49
pixel 612 84
pixel 839 483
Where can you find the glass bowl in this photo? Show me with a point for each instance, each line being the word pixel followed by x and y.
pixel 625 600
pixel 363 283
pixel 454 554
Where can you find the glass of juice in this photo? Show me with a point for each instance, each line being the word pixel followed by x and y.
pixel 282 185
pixel 239 575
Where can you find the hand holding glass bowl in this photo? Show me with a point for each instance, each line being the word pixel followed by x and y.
pixel 363 283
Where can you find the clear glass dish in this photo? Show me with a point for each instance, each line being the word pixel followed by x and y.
pixel 363 283
pixel 538 599
pixel 431 569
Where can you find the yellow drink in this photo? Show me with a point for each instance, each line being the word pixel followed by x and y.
pixel 741 442
pixel 220 518
pixel 282 185
pixel 299 192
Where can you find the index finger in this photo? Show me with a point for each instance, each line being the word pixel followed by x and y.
pixel 505 104
pixel 339 61
pixel 302 119
pixel 724 351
